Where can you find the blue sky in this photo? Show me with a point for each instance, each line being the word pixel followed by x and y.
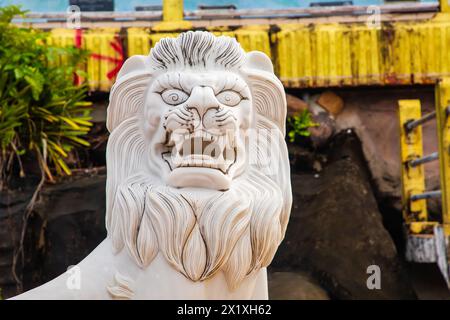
pixel 128 5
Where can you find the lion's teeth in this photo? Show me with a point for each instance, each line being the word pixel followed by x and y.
pixel 176 159
pixel 221 142
pixel 179 145
pixel 221 163
pixel 171 140
pixel 202 154
pixel 198 162
pixel 231 137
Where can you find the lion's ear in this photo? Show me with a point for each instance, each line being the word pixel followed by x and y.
pixel 132 64
pixel 259 61
pixel 267 90
pixel 126 98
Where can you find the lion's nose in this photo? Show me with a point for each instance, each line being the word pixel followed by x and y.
pixel 202 99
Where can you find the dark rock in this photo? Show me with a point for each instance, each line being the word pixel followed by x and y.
pixel 331 102
pixel 294 286
pixel 295 105
pixel 324 129
pixel 336 230
pixel 373 116
pixel 12 208
pixel 300 158
pixel 74 223
pixel 66 224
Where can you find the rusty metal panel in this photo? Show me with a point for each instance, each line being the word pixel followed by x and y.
pixel 105 59
pixel 338 54
pixel 61 38
pixel 252 39
pixel 106 53
pixel 138 41
pixel 365 51
pixel 328 55
pixel 419 52
pixel 156 36
pixel 304 55
pixel 309 55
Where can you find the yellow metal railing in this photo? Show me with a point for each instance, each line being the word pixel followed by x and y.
pixel 442 98
pixel 413 172
pixel 413 177
pixel 427 241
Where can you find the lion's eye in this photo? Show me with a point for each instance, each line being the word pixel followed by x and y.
pixel 229 98
pixel 174 96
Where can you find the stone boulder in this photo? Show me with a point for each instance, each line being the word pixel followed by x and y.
pixel 323 131
pixel 295 105
pixel 336 230
pixel 331 102
pixel 294 286
pixel 372 114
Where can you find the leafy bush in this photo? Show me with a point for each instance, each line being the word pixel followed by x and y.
pixel 298 125
pixel 42 112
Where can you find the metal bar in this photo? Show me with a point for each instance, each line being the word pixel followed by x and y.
pixel 424 159
pixel 426 195
pixel 413 178
pixel 411 125
pixel 322 11
pixel 442 100
pixel 100 15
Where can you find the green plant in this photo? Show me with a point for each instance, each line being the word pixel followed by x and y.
pixel 42 112
pixel 298 125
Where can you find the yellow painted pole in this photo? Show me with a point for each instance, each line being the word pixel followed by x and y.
pixel 444 5
pixel 413 178
pixel 173 10
pixel 173 18
pixel 442 101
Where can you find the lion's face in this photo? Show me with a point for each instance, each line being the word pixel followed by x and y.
pixel 196 124
pixel 180 123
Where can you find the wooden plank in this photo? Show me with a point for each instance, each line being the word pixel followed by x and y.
pixel 406 7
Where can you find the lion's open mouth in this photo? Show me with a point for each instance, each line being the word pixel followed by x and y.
pixel 201 149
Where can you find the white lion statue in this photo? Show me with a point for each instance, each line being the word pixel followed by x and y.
pixel 198 183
